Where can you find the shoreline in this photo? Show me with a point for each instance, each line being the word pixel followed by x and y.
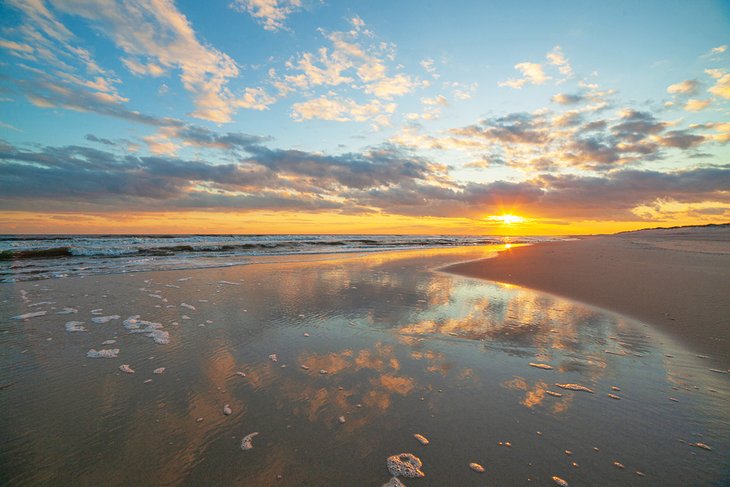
pixel 678 283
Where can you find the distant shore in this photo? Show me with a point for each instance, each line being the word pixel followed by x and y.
pixel 676 279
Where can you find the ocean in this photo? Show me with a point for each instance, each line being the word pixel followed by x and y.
pixel 36 257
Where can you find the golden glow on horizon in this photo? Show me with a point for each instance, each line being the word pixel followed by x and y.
pixel 269 222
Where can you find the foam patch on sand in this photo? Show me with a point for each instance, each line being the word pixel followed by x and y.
pixel 30 315
pixel 151 329
pixel 73 326
pixel 104 353
pixel 104 319
pixel 67 311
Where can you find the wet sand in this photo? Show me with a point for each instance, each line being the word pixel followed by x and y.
pixel 678 280
pixel 380 341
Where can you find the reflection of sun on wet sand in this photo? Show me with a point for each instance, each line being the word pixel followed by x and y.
pixel 677 279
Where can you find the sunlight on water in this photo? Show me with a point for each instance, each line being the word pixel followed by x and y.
pixel 370 350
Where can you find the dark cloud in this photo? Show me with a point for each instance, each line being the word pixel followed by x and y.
pixel 94 138
pixel 546 141
pixel 516 128
pixel 566 99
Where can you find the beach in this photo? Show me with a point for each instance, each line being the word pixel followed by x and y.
pixel 314 370
pixel 677 280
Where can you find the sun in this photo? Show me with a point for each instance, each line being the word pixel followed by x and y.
pixel 507 219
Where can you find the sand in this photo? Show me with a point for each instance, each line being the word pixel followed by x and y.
pixel 678 280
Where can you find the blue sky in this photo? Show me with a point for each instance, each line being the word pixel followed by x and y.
pixel 477 104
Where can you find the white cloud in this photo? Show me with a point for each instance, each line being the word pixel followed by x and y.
pixel 532 73
pixel 269 13
pixel 428 65
pixel 141 69
pixel 696 105
pixel 722 86
pixel 343 110
pixel 387 88
pixel 557 58
pixel 687 87
pixel 255 99
pixel 156 36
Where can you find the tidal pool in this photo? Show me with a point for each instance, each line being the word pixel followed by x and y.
pixel 383 341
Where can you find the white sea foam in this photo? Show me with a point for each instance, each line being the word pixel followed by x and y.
pixel 41 303
pixel 73 326
pixel 30 315
pixel 104 319
pixel 67 311
pixel 151 329
pixel 108 342
pixel 104 353
pixel 189 306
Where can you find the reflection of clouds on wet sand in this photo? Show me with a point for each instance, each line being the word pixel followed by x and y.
pixel 389 345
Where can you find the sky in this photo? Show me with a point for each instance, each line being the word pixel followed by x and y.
pixel 309 116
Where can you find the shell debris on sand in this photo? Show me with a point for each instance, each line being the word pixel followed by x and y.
pixel 476 467
pixel 273 357
pixel 342 419
pixel 227 410
pixel 574 387
pixel 104 353
pixel 614 396
pixel 701 445
pixel 394 482
pixel 541 366
pixel 618 464
pixel 304 367
pixel 559 481
pixel 422 439
pixel 126 369
pixel 158 371
pixel 405 465
pixel 242 374
pixel 247 441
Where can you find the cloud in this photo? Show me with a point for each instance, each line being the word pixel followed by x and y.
pixel 155 38
pixel 696 105
pixel 384 180
pixel 566 99
pixel 532 73
pixel 557 58
pixel 353 61
pixel 687 87
pixel 269 13
pixel 721 87
pixel 581 138
pixel 73 176
pixel 342 110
